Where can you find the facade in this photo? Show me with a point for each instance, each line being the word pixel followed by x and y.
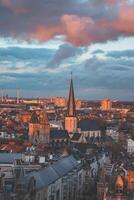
pixel 39 128
pixel 130 146
pixel 71 119
pixel 78 104
pixel 113 133
pixel 106 104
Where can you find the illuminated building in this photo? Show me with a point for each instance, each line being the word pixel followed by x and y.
pixel 130 181
pixel 119 184
pixel 26 117
pixel 106 104
pixel 78 104
pixel 59 101
pixel 70 119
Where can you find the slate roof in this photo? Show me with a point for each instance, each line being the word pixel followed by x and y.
pixel 82 147
pixel 9 158
pixel 43 177
pixel 49 175
pixel 89 125
pixel 62 167
pixel 58 134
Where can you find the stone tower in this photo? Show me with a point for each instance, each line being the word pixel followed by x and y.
pixel 39 128
pixel 70 119
pixel 44 127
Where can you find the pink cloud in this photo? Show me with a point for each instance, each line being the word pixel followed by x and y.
pixel 78 28
pixel 15 8
pixel 6 3
pixel 125 22
pixel 44 33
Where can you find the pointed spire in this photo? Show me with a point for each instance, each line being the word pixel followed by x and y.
pixel 71 110
pixel 34 118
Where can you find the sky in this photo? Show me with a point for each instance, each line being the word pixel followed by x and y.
pixel 42 42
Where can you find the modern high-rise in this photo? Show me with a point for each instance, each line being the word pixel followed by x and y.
pixel 71 119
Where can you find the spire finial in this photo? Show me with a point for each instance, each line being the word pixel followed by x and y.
pixel 71 74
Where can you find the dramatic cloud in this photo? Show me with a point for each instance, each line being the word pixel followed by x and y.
pixel 65 52
pixel 32 69
pixel 42 41
pixel 81 22
pixel 119 54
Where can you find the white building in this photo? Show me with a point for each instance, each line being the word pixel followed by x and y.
pixel 130 146
pixel 113 133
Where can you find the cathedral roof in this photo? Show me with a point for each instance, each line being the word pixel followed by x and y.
pixel 89 125
pixel 34 118
pixel 48 175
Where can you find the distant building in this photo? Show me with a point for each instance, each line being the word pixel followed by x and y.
pixel 26 117
pixel 78 104
pixel 59 101
pixel 130 145
pixel 106 104
pixel 71 119
pixel 39 128
pixel 113 132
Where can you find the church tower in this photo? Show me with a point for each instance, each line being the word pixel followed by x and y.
pixel 44 127
pixel 39 128
pixel 70 119
pixel 33 127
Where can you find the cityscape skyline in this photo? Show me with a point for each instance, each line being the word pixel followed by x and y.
pixel 66 99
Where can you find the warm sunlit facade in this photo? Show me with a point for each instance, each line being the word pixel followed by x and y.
pixel 106 104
